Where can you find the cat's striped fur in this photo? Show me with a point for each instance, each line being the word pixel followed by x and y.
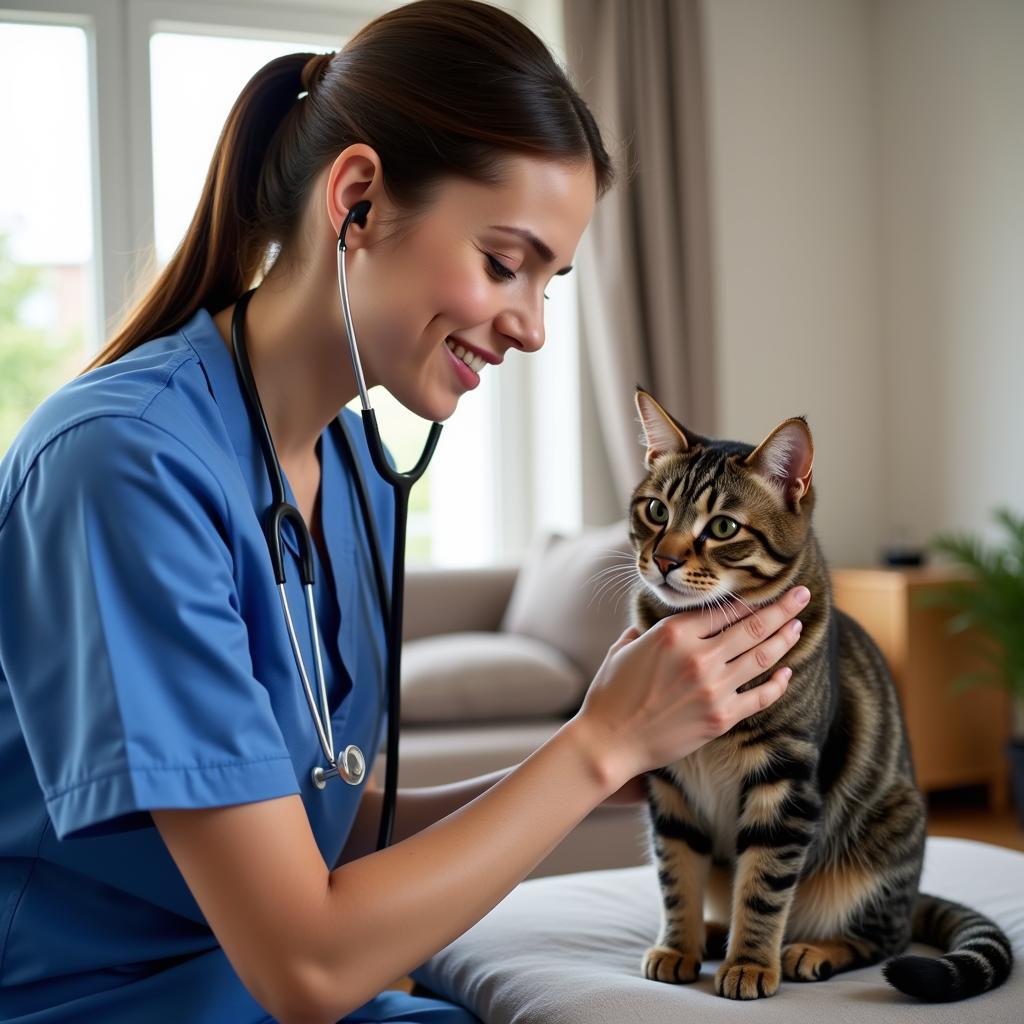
pixel 799 834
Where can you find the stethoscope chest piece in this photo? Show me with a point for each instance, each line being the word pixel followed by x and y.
pixel 350 766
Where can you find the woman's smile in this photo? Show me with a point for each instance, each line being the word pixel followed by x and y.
pixel 466 365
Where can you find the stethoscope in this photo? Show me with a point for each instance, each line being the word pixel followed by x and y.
pixel 350 763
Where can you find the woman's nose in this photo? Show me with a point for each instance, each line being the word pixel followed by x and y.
pixel 525 329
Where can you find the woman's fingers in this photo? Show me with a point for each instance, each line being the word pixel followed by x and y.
pixel 731 613
pixel 759 697
pixel 755 628
pixel 761 658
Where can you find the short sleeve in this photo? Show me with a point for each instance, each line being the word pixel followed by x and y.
pixel 122 643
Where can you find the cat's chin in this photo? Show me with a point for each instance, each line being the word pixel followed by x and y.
pixel 680 600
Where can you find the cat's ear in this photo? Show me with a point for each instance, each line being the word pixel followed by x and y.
pixel 785 458
pixel 662 433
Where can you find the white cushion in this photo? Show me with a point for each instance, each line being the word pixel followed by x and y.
pixel 571 592
pixel 482 677
pixel 568 949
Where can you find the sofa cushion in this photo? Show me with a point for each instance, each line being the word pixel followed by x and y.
pixel 439 753
pixel 572 593
pixel 481 677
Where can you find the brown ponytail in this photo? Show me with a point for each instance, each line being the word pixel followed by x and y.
pixel 436 87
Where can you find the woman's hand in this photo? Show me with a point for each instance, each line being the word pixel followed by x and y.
pixel 661 695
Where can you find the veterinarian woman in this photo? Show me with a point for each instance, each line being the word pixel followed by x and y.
pixel 164 853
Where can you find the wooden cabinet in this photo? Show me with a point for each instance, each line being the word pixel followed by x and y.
pixel 958 739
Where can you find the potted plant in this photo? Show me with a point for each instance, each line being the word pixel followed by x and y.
pixel 991 600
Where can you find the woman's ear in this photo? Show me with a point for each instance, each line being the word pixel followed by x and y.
pixel 356 174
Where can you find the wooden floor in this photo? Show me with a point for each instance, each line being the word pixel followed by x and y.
pixel 966 813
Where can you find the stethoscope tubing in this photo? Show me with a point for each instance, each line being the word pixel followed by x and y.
pixel 276 514
pixel 352 767
pixel 401 485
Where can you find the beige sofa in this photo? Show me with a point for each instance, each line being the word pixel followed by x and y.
pixel 494 662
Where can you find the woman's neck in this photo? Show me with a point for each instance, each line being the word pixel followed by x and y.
pixel 299 356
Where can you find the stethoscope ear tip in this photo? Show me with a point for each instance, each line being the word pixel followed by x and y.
pixel 358 214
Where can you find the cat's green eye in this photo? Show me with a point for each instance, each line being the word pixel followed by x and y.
pixel 658 511
pixel 722 527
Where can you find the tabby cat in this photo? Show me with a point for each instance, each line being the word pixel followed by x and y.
pixel 802 828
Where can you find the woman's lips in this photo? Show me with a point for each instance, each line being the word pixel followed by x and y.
pixel 487 357
pixel 467 377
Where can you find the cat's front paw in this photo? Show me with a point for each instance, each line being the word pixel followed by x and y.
pixel 747 980
pixel 661 963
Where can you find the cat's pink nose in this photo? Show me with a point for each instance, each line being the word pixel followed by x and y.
pixel 666 565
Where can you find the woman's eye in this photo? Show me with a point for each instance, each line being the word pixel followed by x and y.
pixel 657 510
pixel 505 273
pixel 499 269
pixel 722 527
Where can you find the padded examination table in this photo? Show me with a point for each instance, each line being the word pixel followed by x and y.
pixel 567 950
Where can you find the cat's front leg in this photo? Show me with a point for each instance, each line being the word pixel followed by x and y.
pixel 778 817
pixel 682 853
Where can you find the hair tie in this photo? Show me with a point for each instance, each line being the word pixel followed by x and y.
pixel 313 70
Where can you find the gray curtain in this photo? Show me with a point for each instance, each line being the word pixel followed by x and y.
pixel 644 263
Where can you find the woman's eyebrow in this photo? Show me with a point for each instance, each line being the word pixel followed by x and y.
pixel 542 250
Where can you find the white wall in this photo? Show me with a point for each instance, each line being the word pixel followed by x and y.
pixel 793 214
pixel 868 216
pixel 951 248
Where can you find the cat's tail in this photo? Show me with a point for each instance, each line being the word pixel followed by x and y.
pixel 978 954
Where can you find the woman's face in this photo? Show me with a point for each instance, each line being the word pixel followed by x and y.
pixel 466 271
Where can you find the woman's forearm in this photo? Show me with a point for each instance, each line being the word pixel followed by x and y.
pixel 387 912
pixel 415 810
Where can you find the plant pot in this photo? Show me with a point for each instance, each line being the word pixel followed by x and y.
pixel 1015 752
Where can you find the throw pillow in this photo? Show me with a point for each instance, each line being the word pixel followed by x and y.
pixel 571 593
pixel 479 677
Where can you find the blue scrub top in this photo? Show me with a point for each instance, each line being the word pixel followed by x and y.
pixel 144 662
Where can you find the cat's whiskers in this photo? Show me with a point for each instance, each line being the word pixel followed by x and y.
pixel 732 595
pixel 715 602
pixel 719 602
pixel 612 574
pixel 621 576
pixel 628 564
pixel 615 579
pixel 616 593
pixel 615 582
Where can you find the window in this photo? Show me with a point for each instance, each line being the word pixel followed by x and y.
pixel 194 80
pixel 47 314
pixel 163 75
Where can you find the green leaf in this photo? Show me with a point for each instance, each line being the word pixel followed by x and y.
pixel 991 601
pixel 972 680
pixel 964 621
pixel 1015 528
